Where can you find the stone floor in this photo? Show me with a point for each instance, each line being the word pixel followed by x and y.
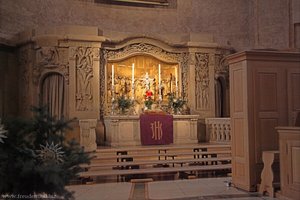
pixel 193 189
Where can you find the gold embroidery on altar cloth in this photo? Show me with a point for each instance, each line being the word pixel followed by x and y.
pixel 157 132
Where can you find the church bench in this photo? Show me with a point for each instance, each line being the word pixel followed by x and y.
pixel 158 162
pixel 135 155
pixel 162 147
pixel 92 174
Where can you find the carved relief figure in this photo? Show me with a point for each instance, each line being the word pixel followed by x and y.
pixel 84 75
pixel 202 81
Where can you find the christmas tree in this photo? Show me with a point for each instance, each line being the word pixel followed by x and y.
pixel 35 158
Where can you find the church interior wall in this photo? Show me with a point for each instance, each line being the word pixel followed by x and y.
pixel 192 24
pixel 8 82
pixel 240 24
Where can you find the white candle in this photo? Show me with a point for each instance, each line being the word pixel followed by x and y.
pixel 159 75
pixel 132 80
pixel 112 75
pixel 176 77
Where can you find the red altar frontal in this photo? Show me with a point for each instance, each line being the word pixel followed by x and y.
pixel 156 129
pixel 150 129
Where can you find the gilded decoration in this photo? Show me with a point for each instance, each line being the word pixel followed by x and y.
pixel 202 81
pixel 123 83
pixel 84 74
pixel 140 75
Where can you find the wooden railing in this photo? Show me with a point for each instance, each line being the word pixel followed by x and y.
pixel 218 129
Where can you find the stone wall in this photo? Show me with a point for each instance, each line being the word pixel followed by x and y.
pixel 239 24
pixel 8 82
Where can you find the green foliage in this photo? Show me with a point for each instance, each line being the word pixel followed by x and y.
pixel 22 168
pixel 148 103
pixel 175 103
pixel 124 103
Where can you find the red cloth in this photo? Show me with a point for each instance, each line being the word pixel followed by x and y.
pixel 156 129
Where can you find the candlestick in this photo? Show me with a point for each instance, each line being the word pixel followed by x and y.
pixel 132 81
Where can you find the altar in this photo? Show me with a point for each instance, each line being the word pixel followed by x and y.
pixel 124 130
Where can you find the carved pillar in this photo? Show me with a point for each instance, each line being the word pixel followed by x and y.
pixel 26 57
pixel 84 82
pixel 88 134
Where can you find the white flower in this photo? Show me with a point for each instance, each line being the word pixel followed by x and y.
pixel 51 153
pixel 2 132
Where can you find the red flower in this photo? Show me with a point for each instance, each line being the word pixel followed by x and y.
pixel 149 93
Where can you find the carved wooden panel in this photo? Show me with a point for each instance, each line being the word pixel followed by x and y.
pixel 269 94
pixel 237 84
pixel 238 94
pixel 289 139
pixel 264 86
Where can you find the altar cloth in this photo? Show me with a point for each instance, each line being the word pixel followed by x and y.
pixel 156 129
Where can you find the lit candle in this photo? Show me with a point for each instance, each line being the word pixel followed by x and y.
pixel 132 80
pixel 159 75
pixel 112 75
pixel 176 77
pixel 159 82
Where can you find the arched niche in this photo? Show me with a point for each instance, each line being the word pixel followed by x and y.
pixel 144 52
pixel 53 94
pixel 127 77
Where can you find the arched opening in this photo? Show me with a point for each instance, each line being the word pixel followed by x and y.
pixel 127 77
pixel 220 97
pixel 53 95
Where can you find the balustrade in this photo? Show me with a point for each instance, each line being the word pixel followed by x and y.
pixel 218 129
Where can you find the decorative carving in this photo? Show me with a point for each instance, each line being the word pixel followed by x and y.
pixel 140 48
pixel 88 134
pixel 202 81
pixel 184 64
pixel 143 48
pixel 84 75
pixel 222 68
pixel 47 56
pixel 50 59
pixel 103 59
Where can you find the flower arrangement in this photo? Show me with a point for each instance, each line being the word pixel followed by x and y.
pixel 175 103
pixel 124 103
pixel 148 99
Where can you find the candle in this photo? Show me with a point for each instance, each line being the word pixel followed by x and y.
pixel 112 75
pixel 176 77
pixel 159 75
pixel 132 80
